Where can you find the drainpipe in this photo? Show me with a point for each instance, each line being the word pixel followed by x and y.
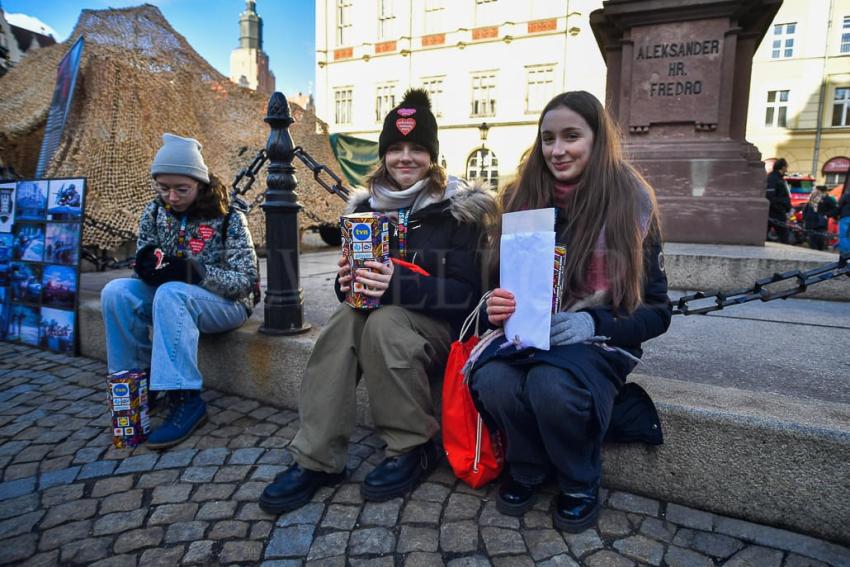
pixel 822 96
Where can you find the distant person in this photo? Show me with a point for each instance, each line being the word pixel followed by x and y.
pixel 193 276
pixel 779 198
pixel 844 219
pixel 816 215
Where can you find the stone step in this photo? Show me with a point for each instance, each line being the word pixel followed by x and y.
pixel 757 456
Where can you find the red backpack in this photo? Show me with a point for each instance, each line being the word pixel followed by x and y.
pixel 473 455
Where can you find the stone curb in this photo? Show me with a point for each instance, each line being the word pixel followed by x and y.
pixel 760 457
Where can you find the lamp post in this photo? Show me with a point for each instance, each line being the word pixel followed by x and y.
pixel 483 130
pixel 284 300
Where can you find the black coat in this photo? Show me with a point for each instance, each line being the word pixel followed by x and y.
pixel 777 194
pixel 844 205
pixel 632 415
pixel 445 239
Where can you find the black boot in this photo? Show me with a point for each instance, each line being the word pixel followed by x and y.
pixel 396 476
pixel 576 513
pixel 515 498
pixel 294 487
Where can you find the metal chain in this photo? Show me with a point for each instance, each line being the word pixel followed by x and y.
pixel 250 173
pixel 798 228
pixel 762 289
pixel 337 188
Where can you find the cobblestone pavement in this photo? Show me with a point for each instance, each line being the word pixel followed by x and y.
pixel 68 497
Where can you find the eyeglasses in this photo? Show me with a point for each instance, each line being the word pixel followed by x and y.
pixel 180 191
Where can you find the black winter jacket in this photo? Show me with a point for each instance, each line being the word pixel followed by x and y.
pixel 844 205
pixel 633 416
pixel 777 193
pixel 446 240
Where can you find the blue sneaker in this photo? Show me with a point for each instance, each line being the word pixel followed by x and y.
pixel 188 412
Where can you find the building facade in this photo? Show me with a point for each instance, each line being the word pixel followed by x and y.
pixel 489 65
pixel 800 95
pixel 249 64
pixel 15 41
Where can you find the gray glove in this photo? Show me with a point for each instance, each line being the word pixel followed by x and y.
pixel 571 328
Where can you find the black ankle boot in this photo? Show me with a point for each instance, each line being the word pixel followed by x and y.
pixel 294 487
pixel 396 476
pixel 515 498
pixel 576 513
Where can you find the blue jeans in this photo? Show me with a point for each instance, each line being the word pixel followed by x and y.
pixel 178 312
pixel 844 235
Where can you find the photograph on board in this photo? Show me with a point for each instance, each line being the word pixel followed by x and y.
pixel 4 311
pixel 30 200
pixel 25 282
pixel 7 206
pixel 63 244
pixel 23 324
pixel 6 245
pixel 29 242
pixel 59 287
pixel 65 200
pixel 57 330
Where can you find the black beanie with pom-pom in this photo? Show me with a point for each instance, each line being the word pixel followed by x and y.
pixel 411 121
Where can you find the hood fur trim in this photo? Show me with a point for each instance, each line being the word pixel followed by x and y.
pixel 474 204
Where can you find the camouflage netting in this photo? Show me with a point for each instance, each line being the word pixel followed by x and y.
pixel 139 78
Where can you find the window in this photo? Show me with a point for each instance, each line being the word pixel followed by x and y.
pixel 386 19
pixel 342 105
pixel 783 40
pixel 833 179
pixel 777 109
pixel 434 86
pixel 434 10
pixel 343 22
pixel 384 101
pixel 539 87
pixel 483 94
pixel 841 107
pixel 845 35
pixel 482 164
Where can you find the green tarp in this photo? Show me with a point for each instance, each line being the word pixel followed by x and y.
pixel 356 157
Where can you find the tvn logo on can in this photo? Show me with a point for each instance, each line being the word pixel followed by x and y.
pixel 361 231
pixel 120 396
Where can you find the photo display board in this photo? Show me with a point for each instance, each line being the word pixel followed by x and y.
pixel 41 226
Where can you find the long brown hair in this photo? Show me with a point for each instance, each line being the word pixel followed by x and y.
pixel 611 194
pixel 436 174
pixel 212 200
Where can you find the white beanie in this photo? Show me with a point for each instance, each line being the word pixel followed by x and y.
pixel 180 156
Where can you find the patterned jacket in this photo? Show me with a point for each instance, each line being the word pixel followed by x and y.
pixel 231 264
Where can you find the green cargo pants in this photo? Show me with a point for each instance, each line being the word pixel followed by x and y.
pixel 393 348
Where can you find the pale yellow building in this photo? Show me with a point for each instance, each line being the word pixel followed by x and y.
pixel 800 92
pixel 497 62
pixel 484 62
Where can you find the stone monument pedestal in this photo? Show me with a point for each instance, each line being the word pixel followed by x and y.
pixel 678 86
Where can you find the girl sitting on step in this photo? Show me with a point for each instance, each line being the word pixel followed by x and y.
pixel 195 273
pixel 554 407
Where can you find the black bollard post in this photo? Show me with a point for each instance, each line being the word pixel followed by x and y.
pixel 284 301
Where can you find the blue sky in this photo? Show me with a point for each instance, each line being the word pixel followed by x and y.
pixel 212 27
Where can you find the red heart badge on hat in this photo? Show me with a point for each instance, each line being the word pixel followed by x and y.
pixel 206 231
pixel 196 245
pixel 405 125
pixel 406 112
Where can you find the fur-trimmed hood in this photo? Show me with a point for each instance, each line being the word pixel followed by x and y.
pixel 471 203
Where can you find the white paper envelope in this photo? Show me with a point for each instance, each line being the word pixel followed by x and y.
pixel 526 267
